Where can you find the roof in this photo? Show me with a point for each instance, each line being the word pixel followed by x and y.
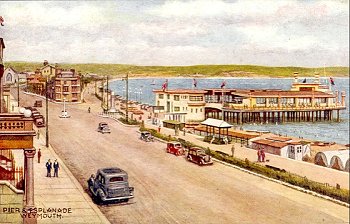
pixel 270 143
pixel 280 139
pixel 180 91
pixel 109 171
pixel 216 123
pixel 278 93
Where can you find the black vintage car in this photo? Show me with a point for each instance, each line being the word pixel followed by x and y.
pixel 146 136
pixel 198 155
pixel 110 184
pixel 103 128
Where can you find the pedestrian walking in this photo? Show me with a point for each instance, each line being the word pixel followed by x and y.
pixel 39 156
pixel 48 168
pixel 159 128
pixel 184 131
pixel 259 155
pixel 262 155
pixel 38 134
pixel 89 109
pixel 56 167
pixel 233 150
pixel 225 140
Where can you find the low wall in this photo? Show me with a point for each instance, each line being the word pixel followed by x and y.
pixel 11 203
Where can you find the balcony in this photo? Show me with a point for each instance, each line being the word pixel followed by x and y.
pixel 16 131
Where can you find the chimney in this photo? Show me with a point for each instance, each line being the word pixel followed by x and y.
pixel 296 77
pixel 46 62
pixel 317 77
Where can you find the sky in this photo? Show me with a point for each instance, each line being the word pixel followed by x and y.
pixel 272 33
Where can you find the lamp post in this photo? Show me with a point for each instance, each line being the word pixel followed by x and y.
pixel 47 113
pixel 126 78
pixel 64 105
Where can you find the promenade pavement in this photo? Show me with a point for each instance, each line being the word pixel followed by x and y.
pixel 62 192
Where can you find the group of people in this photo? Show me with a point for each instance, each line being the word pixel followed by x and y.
pixel 55 166
pixel 261 155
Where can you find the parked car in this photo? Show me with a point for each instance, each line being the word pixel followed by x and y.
pixel 110 184
pixel 39 121
pixel 146 136
pixel 103 128
pixel 175 148
pixel 198 155
pixel 38 103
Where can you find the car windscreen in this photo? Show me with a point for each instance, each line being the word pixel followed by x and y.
pixel 116 179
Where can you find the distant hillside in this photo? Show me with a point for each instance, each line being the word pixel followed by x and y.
pixel 205 70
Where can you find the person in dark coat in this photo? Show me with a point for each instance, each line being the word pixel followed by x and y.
pixel 56 167
pixel 48 168
pixel 39 156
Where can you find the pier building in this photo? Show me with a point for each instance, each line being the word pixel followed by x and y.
pixel 305 101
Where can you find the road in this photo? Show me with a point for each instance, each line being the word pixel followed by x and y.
pixel 169 189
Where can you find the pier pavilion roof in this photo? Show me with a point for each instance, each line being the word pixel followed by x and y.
pixel 180 91
pixel 271 93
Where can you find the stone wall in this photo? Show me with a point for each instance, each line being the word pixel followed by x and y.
pixel 11 202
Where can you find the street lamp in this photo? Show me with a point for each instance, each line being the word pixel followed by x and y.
pixel 47 112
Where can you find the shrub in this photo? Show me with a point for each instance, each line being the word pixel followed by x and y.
pixel 129 121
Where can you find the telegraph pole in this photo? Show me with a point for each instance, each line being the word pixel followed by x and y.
pixel 18 91
pixel 107 93
pixel 47 113
pixel 127 98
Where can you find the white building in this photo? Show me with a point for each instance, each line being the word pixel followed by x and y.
pixel 281 146
pixel 10 76
pixel 183 105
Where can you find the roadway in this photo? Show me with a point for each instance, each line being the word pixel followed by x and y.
pixel 169 189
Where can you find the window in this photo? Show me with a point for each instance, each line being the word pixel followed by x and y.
pixel 161 96
pixel 65 88
pixel 201 110
pixel 74 95
pixel 168 96
pixel 115 179
pixel 196 110
pixel 273 100
pixel 191 110
pixel 260 100
pixel 176 97
pixel 9 77
pixel 196 98
pixel 176 109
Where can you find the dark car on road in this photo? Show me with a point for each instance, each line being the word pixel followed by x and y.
pixel 198 155
pixel 110 184
pixel 103 128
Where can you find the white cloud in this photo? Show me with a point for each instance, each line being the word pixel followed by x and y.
pixel 178 32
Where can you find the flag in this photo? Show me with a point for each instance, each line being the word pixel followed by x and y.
pixel 304 81
pixel 195 83
pixel 223 84
pixel 1 21
pixel 332 80
pixel 165 85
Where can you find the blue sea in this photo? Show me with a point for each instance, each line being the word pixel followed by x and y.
pixel 141 90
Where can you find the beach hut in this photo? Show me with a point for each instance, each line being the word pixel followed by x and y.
pixel 339 161
pixel 324 158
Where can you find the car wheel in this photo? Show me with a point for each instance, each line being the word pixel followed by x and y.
pixel 201 162
pixel 189 158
